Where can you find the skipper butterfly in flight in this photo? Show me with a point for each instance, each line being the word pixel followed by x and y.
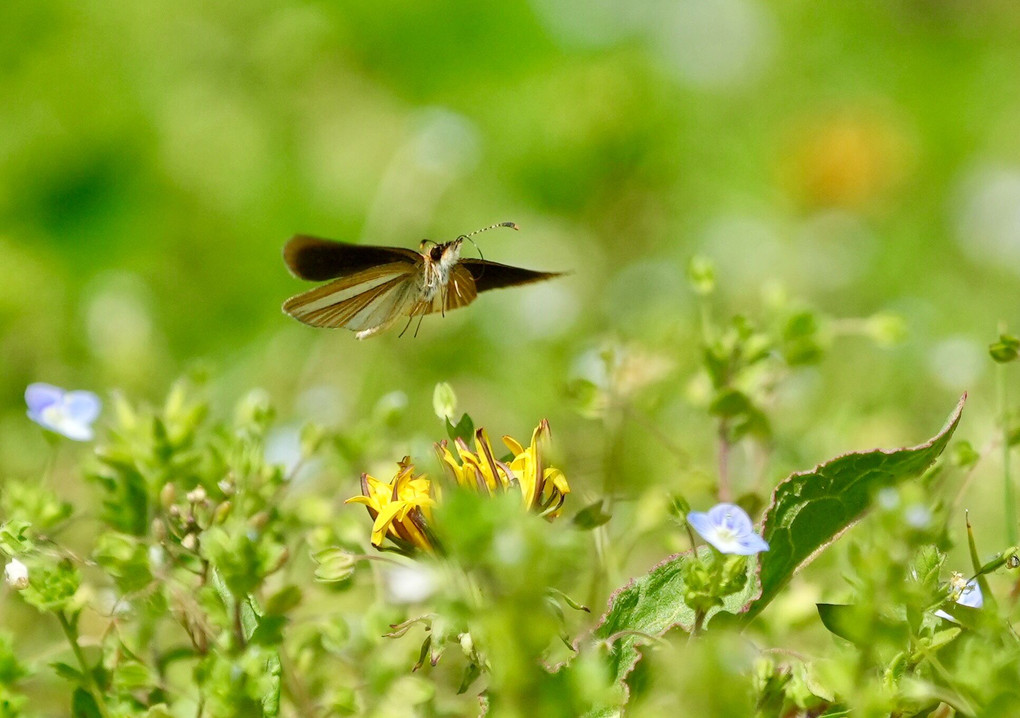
pixel 372 288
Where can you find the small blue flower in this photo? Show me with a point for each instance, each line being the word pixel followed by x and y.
pixel 964 592
pixel 68 413
pixel 729 529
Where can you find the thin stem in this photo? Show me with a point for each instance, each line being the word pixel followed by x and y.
pixel 699 621
pixel 90 681
pixel 1009 493
pixel 724 461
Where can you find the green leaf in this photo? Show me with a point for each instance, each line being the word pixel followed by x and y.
pixel 83 705
pixel 67 672
pixel 12 537
pixel 809 510
pixel 852 623
pixel 591 516
pixel 283 600
pixel 1005 350
pixel 464 429
pixel 653 604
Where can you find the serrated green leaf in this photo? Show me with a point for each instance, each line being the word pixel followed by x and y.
pixel 811 509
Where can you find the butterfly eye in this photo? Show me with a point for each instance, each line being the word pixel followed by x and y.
pixel 437 253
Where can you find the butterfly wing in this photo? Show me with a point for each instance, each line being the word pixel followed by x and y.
pixel 366 301
pixel 320 259
pixel 493 275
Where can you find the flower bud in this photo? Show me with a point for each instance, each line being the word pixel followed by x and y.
pixel 167 495
pixel 16 574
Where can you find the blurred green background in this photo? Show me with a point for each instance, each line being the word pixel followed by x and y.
pixel 854 158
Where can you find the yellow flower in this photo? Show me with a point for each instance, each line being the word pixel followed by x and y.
pixel 478 471
pixel 543 489
pixel 401 508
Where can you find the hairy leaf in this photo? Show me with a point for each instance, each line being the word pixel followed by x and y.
pixel 809 510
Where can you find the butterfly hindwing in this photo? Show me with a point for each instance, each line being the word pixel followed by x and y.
pixel 364 300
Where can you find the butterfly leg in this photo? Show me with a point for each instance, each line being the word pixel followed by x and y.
pixel 404 330
pixel 419 326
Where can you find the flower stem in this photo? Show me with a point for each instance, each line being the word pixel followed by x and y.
pixel 90 682
pixel 1009 491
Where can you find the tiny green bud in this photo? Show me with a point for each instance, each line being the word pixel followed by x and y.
pixel 444 401
pixel 701 275
pixel 159 531
pixel 467 644
pixel 259 520
pixel 167 495
pixel 222 512
pixel 886 329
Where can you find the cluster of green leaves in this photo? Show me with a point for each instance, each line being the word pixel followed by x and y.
pixel 191 536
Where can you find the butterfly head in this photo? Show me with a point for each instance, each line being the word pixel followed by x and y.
pixel 444 255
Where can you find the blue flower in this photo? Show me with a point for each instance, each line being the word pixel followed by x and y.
pixel 68 413
pixel 729 529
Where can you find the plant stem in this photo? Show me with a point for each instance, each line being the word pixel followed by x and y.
pixel 1009 493
pixel 724 461
pixel 90 682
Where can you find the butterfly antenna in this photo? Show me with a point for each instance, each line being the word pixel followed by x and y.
pixel 511 225
pixel 469 235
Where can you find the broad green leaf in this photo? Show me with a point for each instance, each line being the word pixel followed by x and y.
pixel 651 605
pixel 809 510
pixel 591 516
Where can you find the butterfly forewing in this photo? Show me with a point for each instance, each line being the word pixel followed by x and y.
pixel 493 275
pixel 320 259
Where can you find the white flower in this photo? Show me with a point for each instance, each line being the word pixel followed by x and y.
pixel 964 592
pixel 16 574
pixel 409 584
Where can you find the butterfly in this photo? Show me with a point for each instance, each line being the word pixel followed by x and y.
pixel 374 287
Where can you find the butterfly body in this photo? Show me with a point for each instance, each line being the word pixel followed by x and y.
pixel 371 288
